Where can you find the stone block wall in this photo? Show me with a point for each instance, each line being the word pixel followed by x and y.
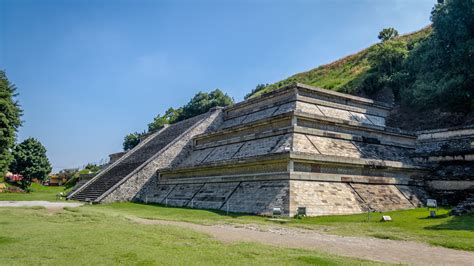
pixel 136 185
pixel 450 153
pixel 182 194
pixel 213 195
pixel 382 197
pixel 256 197
pixel 324 198
pixel 259 197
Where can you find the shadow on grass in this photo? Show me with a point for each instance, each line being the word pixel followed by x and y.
pixel 442 216
pixel 218 212
pixel 465 222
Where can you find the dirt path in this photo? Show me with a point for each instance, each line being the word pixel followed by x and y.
pixel 41 203
pixel 390 251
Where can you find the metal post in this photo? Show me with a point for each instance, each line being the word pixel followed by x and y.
pixel 227 207
pixel 166 202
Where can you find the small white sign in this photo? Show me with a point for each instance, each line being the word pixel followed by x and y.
pixel 386 218
pixel 431 203
pixel 276 211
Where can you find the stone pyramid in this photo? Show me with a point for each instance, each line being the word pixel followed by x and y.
pixel 297 147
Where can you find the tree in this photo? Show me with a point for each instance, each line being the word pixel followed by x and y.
pixel 10 114
pixel 30 160
pixel 202 102
pixel 131 140
pixel 441 67
pixel 386 61
pixel 199 104
pixel 388 34
pixel 171 115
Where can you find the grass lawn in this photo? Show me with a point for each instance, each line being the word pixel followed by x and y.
pixel 96 235
pixel 447 231
pixel 38 192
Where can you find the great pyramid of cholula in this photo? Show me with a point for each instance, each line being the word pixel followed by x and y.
pixel 298 147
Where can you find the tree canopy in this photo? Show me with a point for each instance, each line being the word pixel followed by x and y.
pixel 10 114
pixel 441 69
pixel 131 140
pixel 171 115
pixel 30 160
pixel 202 102
pixel 199 104
pixel 388 34
pixel 437 71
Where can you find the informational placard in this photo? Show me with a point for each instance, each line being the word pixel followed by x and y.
pixel 431 203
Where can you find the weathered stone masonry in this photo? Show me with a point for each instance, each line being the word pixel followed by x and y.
pixel 295 147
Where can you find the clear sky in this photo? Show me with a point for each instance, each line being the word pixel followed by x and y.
pixel 89 72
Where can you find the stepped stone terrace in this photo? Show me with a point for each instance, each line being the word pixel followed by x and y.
pixel 298 146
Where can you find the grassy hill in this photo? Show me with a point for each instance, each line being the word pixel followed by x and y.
pixel 343 75
pixel 430 86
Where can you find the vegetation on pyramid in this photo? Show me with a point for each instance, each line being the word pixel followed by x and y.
pixel 428 71
pixel 344 75
pixel 199 104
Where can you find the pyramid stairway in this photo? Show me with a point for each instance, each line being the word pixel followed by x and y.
pixel 104 182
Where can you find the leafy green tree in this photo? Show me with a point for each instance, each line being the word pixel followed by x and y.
pixel 386 61
pixel 388 57
pixel 131 140
pixel 388 34
pixel 10 114
pixel 202 102
pixel 441 68
pixel 199 104
pixel 30 161
pixel 171 115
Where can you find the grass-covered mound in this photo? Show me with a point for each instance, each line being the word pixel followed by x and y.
pixel 428 74
pixel 343 75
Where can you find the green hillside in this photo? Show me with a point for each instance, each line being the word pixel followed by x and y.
pixel 343 75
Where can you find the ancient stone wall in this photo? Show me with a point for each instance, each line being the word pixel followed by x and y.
pixel 295 147
pixel 450 153
pixel 172 154
pixel 324 198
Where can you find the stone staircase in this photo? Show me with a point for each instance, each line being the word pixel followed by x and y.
pixel 131 162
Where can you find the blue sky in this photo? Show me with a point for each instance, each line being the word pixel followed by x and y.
pixel 89 72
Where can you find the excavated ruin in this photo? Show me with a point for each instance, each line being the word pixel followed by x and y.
pixel 296 148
